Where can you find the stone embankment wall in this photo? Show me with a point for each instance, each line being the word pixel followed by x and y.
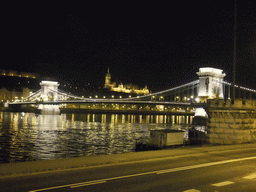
pixel 231 123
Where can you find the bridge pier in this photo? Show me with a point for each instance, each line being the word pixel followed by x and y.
pixel 49 109
pixel 231 123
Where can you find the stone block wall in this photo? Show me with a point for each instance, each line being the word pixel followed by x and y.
pixel 231 123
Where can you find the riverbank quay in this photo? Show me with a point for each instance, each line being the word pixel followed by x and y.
pixel 69 164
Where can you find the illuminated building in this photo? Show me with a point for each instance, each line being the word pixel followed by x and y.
pixel 132 89
pixel 17 74
pixel 11 95
pixel 16 85
pixel 108 83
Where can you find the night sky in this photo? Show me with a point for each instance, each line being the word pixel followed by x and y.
pixel 161 45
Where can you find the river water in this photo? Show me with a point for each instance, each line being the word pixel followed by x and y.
pixel 29 137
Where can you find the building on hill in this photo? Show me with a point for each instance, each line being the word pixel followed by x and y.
pixel 11 73
pixel 129 88
pixel 11 95
pixel 16 85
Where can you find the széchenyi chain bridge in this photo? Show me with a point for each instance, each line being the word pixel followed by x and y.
pixel 180 99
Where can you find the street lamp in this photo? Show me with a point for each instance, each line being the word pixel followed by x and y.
pixel 234 55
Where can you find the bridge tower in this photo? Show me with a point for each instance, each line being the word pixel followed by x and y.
pixel 49 90
pixel 210 85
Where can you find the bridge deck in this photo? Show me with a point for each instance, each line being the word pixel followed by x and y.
pixel 106 101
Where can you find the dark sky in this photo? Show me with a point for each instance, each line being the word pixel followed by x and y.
pixel 161 45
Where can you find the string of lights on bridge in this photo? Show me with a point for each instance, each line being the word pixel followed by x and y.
pixel 241 87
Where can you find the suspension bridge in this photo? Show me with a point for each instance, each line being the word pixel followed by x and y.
pixel 183 98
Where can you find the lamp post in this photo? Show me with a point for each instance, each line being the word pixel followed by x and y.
pixel 234 56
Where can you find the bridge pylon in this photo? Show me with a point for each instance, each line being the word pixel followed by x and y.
pixel 49 90
pixel 210 83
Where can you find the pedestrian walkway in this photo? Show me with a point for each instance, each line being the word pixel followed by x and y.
pixel 35 167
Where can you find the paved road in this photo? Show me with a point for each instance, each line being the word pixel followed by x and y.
pixel 213 171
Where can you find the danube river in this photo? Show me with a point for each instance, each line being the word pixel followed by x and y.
pixel 29 137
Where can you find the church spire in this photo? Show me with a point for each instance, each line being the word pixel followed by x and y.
pixel 107 79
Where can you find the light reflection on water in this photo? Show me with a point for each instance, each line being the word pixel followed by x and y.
pixel 26 137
